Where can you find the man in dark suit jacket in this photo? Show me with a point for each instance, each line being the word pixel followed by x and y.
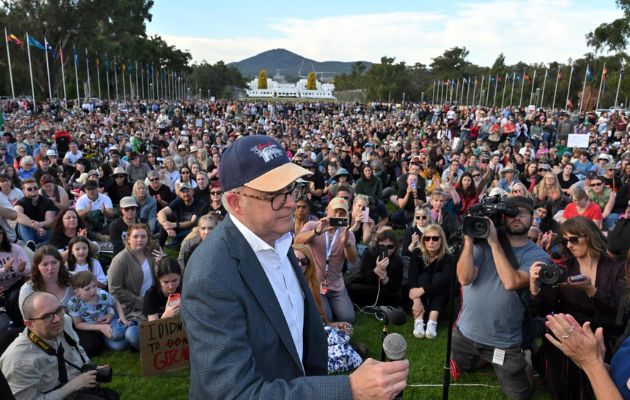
pixel 253 328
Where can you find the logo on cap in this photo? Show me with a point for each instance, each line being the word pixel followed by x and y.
pixel 267 151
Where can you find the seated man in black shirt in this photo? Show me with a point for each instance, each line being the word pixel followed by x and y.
pixel 118 228
pixel 180 216
pixel 35 214
pixel 159 191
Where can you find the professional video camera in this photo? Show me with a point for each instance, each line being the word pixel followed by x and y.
pixel 477 226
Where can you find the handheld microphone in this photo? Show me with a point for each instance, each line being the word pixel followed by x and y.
pixel 395 349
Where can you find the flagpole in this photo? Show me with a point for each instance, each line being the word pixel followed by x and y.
pixel 488 93
pixel 468 92
pixel 583 89
pixel 621 73
pixel 123 69
pixel 63 76
pixel 601 83
pixel 483 79
pixel 98 76
pixel 474 91
pixel 130 84
pixel 6 39
pixel 30 70
pixel 157 81
pixel 137 87
pixel 520 100
pixel 569 86
pixel 433 93
pixel 512 92
pixel 504 89
pixel 88 92
pixel 496 86
pixel 461 94
pixel 555 89
pixel 142 81
pixel 542 97
pixel 47 69
pixel 109 97
pixel 116 79
pixel 76 74
pixel 531 94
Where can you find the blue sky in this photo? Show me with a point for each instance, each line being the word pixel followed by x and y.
pixel 411 31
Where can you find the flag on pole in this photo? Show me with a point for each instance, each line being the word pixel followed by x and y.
pixel 605 73
pixel 33 42
pixel 61 55
pixel 76 56
pixel 15 39
pixel 526 77
pixel 51 50
pixel 589 73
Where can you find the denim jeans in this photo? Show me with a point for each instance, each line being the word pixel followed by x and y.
pixel 27 234
pixel 339 304
pixel 610 221
pixel 132 335
pixel 118 340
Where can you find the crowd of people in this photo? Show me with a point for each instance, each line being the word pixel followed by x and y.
pixel 91 200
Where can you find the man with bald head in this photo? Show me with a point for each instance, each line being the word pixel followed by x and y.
pixel 31 363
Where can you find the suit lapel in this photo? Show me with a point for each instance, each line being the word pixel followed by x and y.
pixel 256 279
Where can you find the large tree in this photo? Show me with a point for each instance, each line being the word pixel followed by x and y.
pixel 613 35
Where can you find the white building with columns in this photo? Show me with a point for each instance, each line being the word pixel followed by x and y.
pixel 280 90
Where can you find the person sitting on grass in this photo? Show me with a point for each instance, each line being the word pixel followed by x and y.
pixel 94 309
pixel 81 258
pixel 180 216
pixel 158 302
pixel 431 273
pixel 206 223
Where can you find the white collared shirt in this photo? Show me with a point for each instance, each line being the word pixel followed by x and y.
pixel 281 275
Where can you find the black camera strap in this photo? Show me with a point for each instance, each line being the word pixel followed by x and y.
pixel 59 353
pixel 509 253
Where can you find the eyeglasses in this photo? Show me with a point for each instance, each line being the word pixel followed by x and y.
pixel 154 179
pixel 571 239
pixel 303 261
pixel 185 172
pixel 422 217
pixel 345 197
pixel 31 188
pixel 431 238
pixel 476 175
pixel 130 208
pixel 596 184
pixel 47 318
pixel 280 199
pixel 216 193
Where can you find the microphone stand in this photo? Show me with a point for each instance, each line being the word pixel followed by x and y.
pixel 384 318
pixel 451 322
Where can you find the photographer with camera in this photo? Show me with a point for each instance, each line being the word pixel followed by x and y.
pixel 589 289
pixel 490 325
pixel 46 361
pixel 332 243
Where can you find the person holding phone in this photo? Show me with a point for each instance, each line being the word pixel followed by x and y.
pixel 333 243
pixel 162 300
pixel 593 297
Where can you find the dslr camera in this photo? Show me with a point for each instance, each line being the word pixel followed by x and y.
pixel 475 223
pixel 103 374
pixel 551 275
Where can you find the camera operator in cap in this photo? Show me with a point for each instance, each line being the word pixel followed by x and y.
pixel 489 329
pixel 46 361
pixel 249 314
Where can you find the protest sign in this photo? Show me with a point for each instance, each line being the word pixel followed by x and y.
pixel 198 122
pixel 163 346
pixel 578 140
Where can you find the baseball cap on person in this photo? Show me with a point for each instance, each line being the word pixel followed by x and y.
pixel 258 162
pixel 521 201
pixel 338 203
pixel 51 153
pixel 128 201
pixel 90 185
pixel 185 186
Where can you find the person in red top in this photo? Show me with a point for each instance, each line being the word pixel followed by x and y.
pixel 581 205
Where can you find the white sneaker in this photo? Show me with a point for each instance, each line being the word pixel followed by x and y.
pixel 418 328
pixel 431 332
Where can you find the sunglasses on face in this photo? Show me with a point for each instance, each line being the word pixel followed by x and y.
pixel 421 217
pixel 216 193
pixel 431 238
pixel 154 179
pixel 476 175
pixel 185 172
pixel 596 184
pixel 31 189
pixel 303 261
pixel 388 246
pixel 571 239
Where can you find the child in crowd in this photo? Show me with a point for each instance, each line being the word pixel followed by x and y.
pixel 93 309
pixel 80 258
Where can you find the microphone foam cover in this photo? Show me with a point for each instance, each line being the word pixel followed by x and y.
pixel 397 316
pixel 395 346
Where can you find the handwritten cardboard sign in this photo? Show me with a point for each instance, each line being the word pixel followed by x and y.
pixel 163 346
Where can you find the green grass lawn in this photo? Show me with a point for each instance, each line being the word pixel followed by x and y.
pixel 426 359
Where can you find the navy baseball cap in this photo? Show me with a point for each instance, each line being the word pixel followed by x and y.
pixel 258 162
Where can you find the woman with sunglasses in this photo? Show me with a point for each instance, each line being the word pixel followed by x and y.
pixel 592 293
pixel 206 224
pixel 582 206
pixel 215 206
pixel 431 273
pixel 381 273
pixel 604 197
pixel 185 176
